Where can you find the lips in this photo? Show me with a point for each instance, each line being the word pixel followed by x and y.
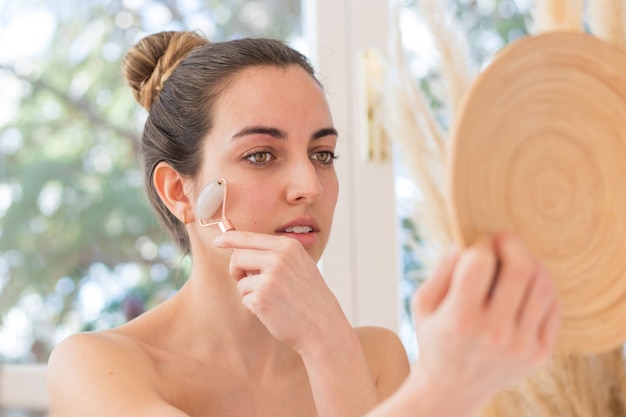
pixel 299 226
pixel 304 230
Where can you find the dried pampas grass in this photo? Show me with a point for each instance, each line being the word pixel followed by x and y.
pixel 456 66
pixel 573 386
pixel 407 119
pixel 607 20
pixel 551 15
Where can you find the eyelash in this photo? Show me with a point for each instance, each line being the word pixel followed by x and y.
pixel 331 156
pixel 250 156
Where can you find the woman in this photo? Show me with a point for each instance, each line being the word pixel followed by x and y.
pixel 255 331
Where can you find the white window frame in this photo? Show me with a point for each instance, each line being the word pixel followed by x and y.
pixel 362 259
pixel 23 387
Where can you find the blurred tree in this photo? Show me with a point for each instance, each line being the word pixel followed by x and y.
pixel 79 247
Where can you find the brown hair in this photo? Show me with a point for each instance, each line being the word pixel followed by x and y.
pixel 177 77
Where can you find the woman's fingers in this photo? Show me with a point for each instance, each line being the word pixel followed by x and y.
pixel 247 262
pixel 249 284
pixel 249 288
pixel 538 303
pixel 250 240
pixel 433 291
pixel 473 277
pixel 550 329
pixel 514 282
pixel 255 252
pixel 540 315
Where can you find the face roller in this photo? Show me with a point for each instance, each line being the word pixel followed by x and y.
pixel 211 198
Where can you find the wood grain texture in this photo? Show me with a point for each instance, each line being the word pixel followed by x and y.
pixel 539 148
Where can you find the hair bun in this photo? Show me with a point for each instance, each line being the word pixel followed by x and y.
pixel 150 63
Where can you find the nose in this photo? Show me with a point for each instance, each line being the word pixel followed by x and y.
pixel 304 185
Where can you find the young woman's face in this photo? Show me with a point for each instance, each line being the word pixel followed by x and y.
pixel 273 140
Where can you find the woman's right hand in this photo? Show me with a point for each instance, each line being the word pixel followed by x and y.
pixel 487 318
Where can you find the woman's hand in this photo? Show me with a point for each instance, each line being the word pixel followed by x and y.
pixel 487 318
pixel 280 283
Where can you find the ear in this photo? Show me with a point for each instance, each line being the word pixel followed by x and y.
pixel 169 184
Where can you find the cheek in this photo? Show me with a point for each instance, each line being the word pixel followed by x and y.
pixel 249 205
pixel 331 191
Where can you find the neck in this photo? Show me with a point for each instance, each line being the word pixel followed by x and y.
pixel 209 318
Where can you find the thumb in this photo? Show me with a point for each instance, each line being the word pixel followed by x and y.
pixel 431 293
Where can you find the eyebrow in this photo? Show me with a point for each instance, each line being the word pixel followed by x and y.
pixel 327 131
pixel 281 134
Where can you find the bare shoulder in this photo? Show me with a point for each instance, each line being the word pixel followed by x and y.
pixel 103 374
pixel 386 357
pixel 381 344
pixel 86 353
pixel 378 337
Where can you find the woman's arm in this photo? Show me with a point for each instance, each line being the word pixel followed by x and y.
pixel 339 375
pixel 414 399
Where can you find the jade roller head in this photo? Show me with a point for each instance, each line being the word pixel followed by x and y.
pixel 212 197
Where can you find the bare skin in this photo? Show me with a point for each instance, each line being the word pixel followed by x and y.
pixel 254 331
